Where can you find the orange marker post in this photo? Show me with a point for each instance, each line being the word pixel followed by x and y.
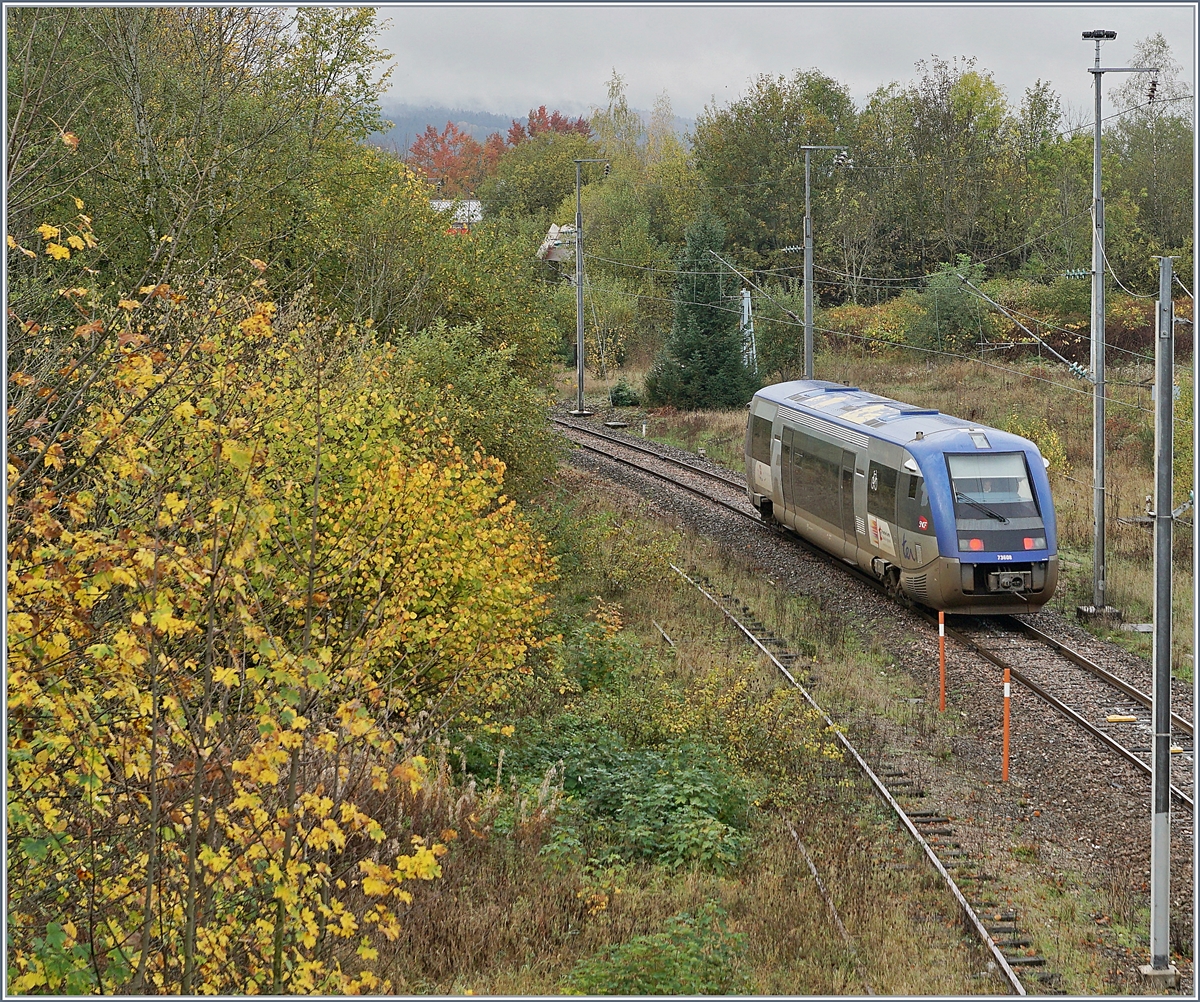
pixel 1007 698
pixel 942 660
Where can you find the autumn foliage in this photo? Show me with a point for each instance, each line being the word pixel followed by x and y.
pixel 245 582
pixel 456 162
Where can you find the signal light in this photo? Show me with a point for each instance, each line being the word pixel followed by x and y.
pixel 607 168
pixel 1153 89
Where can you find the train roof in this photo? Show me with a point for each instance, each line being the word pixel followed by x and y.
pixel 884 418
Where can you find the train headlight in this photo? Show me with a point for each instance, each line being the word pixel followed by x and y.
pixel 1035 542
pixel 970 544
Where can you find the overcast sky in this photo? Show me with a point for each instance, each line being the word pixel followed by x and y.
pixel 510 58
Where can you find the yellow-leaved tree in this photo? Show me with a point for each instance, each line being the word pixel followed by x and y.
pixel 245 583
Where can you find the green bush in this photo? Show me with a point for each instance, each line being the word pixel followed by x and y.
pixel 678 807
pixel 954 318
pixel 624 395
pixel 693 955
pixel 1047 439
pixel 1063 299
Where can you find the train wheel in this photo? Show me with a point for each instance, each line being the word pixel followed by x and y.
pixel 891 583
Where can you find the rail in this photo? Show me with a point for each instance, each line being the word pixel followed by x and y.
pixel 690 467
pixel 968 912
pixel 1074 716
pixel 1180 723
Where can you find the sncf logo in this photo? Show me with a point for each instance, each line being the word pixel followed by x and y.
pixel 922 522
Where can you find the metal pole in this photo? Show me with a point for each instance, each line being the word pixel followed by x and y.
pixel 1099 575
pixel 808 275
pixel 1007 702
pixel 1160 830
pixel 578 288
pixel 941 662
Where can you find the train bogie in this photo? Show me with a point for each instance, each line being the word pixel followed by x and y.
pixel 953 515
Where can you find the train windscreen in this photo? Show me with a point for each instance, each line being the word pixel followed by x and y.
pixel 994 504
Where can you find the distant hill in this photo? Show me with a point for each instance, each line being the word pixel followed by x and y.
pixel 410 121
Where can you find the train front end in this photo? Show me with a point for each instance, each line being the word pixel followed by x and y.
pixel 994 520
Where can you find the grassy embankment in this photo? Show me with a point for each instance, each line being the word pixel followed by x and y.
pixel 628 827
pixel 1032 400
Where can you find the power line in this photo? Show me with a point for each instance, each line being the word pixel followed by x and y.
pixel 868 279
pixel 899 344
pixel 650 268
pixel 1108 264
pixel 840 274
pixel 977 361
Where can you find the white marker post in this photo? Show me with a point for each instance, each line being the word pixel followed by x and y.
pixel 942 661
pixel 1007 699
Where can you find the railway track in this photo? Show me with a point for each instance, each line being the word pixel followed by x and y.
pixel 624 443
pixel 932 831
pixel 1116 713
pixel 1042 665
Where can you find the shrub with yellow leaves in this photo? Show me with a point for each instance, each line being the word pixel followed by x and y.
pixel 245 581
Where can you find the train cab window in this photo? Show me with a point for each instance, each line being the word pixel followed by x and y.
pixel 994 504
pixel 992 486
pixel 912 507
pixel 760 439
pixel 881 491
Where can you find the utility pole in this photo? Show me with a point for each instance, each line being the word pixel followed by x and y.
pixel 580 410
pixel 749 349
pixel 808 260
pixel 1100 606
pixel 1159 969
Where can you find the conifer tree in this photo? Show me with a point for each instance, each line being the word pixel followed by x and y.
pixel 701 365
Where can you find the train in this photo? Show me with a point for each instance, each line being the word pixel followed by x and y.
pixel 950 515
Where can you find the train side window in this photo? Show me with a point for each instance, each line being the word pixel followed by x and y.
pixel 912 507
pixel 917 492
pixel 881 491
pixel 760 440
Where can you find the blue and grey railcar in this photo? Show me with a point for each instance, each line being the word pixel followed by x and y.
pixel 956 516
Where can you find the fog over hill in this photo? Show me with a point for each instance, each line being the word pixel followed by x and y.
pixel 410 120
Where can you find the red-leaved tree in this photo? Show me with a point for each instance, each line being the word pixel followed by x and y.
pixel 542 121
pixel 452 159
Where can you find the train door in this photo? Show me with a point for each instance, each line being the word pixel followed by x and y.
pixel 776 476
pixel 847 493
pixel 785 471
